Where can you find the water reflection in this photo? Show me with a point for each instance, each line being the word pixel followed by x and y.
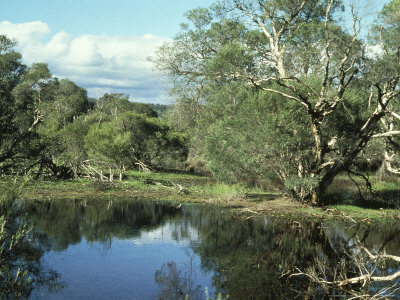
pixel 162 251
pixel 177 283
pixel 65 223
pixel 20 266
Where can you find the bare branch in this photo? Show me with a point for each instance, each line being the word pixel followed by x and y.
pixel 387 134
pixel 284 95
pixel 395 115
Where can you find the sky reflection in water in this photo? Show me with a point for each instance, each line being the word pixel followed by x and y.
pixel 149 250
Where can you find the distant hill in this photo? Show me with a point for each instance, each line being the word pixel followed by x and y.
pixel 139 107
pixel 160 108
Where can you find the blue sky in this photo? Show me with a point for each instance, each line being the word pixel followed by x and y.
pixel 101 45
pixel 98 17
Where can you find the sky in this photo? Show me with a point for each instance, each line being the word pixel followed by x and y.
pixel 101 45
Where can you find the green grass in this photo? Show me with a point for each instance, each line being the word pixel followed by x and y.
pixel 367 213
pixel 165 176
pixel 345 191
pixel 184 188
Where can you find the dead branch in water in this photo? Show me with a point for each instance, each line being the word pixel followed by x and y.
pixel 364 266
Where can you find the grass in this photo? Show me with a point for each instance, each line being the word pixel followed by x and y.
pixel 166 186
pixel 386 192
pixel 190 188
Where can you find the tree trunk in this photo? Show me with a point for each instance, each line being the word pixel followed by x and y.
pixel 75 171
pixel 111 175
pixel 344 161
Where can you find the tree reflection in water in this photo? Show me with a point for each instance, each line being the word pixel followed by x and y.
pixel 254 258
pixel 178 283
pixel 248 259
pixel 355 271
pixel 20 267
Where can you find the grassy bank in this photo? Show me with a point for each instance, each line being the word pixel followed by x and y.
pixel 188 188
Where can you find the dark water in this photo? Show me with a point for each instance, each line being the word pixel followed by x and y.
pixel 150 250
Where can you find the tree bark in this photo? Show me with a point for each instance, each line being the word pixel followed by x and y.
pixel 111 175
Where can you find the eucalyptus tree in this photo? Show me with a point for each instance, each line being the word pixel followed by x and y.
pixel 46 106
pixel 386 35
pixel 295 52
pixel 112 105
pixel 11 70
pixel 72 144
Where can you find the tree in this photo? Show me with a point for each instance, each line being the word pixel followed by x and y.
pixel 132 140
pixel 385 34
pixel 296 52
pixel 37 87
pixel 12 137
pixel 112 105
pixel 108 147
pixel 72 140
pixel 70 102
pixel 51 105
pixel 58 133
pixel 259 137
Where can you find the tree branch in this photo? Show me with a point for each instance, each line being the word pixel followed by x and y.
pixel 387 134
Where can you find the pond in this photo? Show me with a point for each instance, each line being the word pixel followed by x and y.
pixel 155 250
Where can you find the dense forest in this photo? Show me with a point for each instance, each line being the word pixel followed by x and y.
pixel 266 91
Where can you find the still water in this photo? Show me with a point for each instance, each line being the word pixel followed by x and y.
pixel 151 250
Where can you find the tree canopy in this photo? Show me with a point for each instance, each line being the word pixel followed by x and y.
pixel 280 91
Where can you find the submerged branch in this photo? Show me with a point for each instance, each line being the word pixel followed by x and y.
pixel 366 265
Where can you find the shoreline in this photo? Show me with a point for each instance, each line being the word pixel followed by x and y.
pixel 183 189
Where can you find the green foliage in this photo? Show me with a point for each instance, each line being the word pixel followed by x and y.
pixel 73 145
pixel 46 125
pixel 386 30
pixel 291 100
pixel 112 105
pixel 131 138
pixel 13 134
pixel 106 144
pixel 255 136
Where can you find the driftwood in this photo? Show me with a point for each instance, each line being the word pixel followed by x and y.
pixel 169 184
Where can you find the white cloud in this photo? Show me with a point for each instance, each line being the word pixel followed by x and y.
pixel 98 63
pixel 25 32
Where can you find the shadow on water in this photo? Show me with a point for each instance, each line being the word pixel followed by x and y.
pixel 245 259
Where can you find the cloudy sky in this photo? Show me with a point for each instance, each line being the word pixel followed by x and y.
pixel 101 45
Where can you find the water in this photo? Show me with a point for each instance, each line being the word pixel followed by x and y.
pixel 150 250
